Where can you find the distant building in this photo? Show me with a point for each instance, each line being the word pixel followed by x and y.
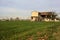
pixel 43 16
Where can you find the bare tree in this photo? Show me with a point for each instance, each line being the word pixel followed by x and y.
pixel 17 18
pixel 11 19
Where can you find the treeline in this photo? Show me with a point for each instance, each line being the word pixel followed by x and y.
pixel 14 19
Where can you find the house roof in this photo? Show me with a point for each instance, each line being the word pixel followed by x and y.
pixel 46 13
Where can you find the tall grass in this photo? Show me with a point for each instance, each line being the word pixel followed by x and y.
pixel 26 30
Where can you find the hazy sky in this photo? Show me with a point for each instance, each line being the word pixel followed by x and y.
pixel 23 8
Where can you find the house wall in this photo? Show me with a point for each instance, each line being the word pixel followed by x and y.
pixel 34 13
pixel 33 19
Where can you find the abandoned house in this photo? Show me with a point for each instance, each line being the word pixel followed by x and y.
pixel 43 16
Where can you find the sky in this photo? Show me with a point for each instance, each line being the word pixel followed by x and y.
pixel 23 8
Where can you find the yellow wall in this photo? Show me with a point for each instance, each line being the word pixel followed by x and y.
pixel 34 13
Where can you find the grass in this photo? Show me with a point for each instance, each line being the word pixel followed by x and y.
pixel 26 30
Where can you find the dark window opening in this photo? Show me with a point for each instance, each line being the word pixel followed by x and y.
pixel 31 17
pixel 42 15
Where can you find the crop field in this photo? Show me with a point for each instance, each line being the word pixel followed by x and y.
pixel 27 30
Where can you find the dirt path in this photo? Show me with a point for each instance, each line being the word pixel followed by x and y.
pixel 58 33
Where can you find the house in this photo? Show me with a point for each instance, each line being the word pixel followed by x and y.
pixel 43 16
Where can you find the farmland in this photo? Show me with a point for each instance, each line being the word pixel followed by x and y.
pixel 27 30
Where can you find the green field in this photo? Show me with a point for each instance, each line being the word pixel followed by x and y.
pixel 26 30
